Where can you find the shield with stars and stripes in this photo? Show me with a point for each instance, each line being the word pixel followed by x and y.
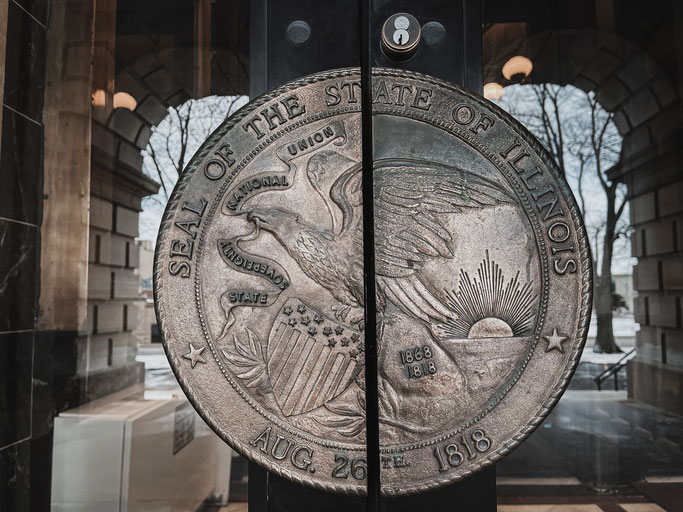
pixel 311 358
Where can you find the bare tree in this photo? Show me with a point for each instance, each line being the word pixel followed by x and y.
pixel 173 142
pixel 582 138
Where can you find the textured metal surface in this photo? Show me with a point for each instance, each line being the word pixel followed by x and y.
pixel 482 272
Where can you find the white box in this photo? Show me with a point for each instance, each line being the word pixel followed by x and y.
pixel 124 453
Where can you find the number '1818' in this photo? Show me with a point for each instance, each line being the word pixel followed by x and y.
pixel 451 455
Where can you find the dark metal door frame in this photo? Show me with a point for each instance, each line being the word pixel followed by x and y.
pixel 347 33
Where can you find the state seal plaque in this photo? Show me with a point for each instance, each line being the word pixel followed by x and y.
pixel 483 281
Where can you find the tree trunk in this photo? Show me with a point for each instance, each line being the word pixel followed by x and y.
pixel 604 340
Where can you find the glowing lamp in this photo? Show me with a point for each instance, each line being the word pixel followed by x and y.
pixel 493 91
pixel 517 65
pixel 124 100
pixel 99 98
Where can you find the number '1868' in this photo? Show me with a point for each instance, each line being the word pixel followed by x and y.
pixel 453 454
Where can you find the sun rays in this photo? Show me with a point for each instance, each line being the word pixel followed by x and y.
pixel 487 306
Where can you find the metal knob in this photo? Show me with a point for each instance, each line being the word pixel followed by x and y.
pixel 401 35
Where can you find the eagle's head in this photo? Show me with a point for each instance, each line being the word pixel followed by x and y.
pixel 283 224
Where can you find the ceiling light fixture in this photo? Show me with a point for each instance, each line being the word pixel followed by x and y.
pixel 517 65
pixel 493 91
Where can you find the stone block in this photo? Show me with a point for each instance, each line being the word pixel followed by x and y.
pixel 613 43
pixel 100 213
pixel 131 317
pixel 621 121
pixel 133 255
pixel 99 282
pixel 143 137
pixel 178 98
pixel 103 139
pixel 649 343
pixel 110 380
pixel 641 107
pixel 600 66
pixel 125 198
pixel 126 284
pixel 656 384
pixel 638 71
pixel 641 308
pixel 674 347
pixel 646 274
pixel 99 247
pixel 152 110
pixel 129 154
pixel 163 83
pixel 664 124
pixel 670 199
pixel 108 249
pixel 643 208
pixel 664 92
pixel 128 83
pixel 105 354
pixel 126 221
pixel 612 93
pixel 109 317
pixel 661 237
pixel 584 83
pixel 90 321
pixel 672 273
pixel 145 65
pixel 636 141
pixel 636 244
pixel 663 310
pixel 118 250
pixel 646 342
pixel 126 124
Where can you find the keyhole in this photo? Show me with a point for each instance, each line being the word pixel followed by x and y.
pixel 401 37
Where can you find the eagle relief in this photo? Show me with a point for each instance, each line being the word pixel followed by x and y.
pixel 478 328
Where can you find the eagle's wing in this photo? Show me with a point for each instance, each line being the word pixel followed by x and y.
pixel 409 196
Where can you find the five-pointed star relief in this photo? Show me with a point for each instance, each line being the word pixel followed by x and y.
pixel 555 341
pixel 195 355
